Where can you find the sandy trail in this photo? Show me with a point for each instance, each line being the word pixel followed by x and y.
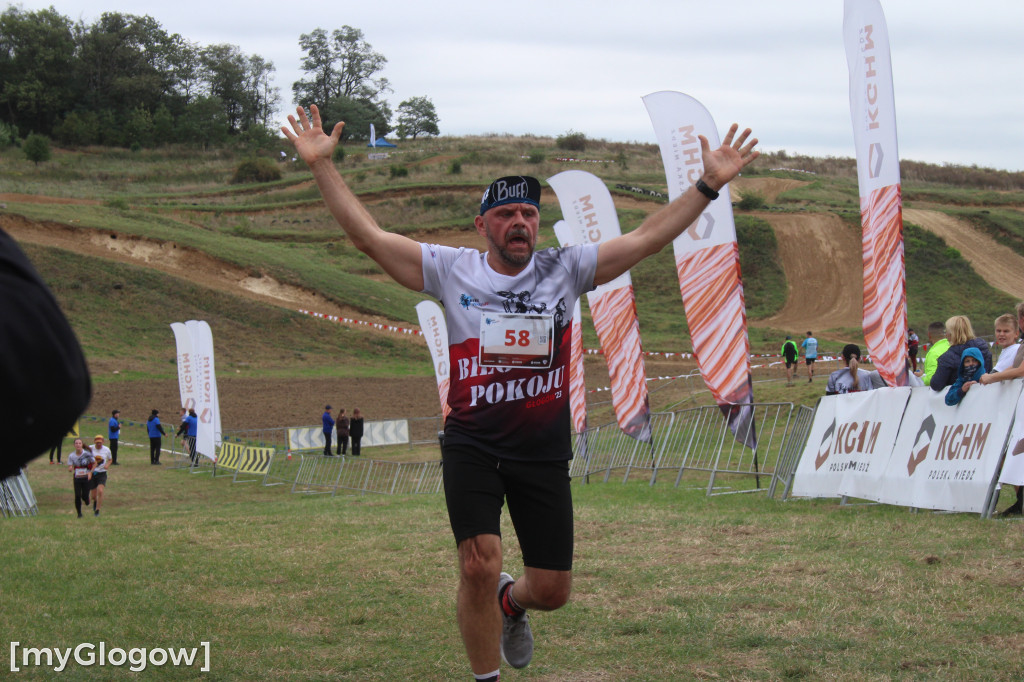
pixel 999 265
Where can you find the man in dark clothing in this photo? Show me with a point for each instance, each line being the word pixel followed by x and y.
pixel 328 428
pixel 790 352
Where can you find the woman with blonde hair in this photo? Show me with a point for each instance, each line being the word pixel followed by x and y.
pixel 960 334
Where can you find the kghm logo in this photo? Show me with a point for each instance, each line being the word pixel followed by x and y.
pixel 846 439
pixel 922 442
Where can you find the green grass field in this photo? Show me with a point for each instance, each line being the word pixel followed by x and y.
pixel 669 584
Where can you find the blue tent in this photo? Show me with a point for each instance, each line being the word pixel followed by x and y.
pixel 380 142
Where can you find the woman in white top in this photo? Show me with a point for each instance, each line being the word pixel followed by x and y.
pixel 852 378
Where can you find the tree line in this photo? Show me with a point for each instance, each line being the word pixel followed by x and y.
pixel 123 80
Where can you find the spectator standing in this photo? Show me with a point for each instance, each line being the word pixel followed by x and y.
pixel 342 431
pixel 156 433
pixel 356 431
pixel 1015 371
pixel 114 434
pixel 102 457
pixel 56 449
pixel 80 463
pixel 961 337
pixel 1008 340
pixel 852 379
pixel 937 345
pixel 913 342
pixel 191 432
pixel 790 353
pixel 328 427
pixel 810 346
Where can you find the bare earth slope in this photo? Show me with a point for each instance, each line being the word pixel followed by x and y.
pixel 821 257
pixel 998 265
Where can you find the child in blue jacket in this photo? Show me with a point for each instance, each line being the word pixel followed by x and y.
pixel 972 366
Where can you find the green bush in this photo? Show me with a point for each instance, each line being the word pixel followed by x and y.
pixel 36 148
pixel 339 154
pixel 535 158
pixel 399 171
pixel 572 141
pixel 751 201
pixel 256 170
pixel 456 167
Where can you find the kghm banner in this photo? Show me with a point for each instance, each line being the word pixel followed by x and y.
pixel 197 382
pixel 590 218
pixel 873 112
pixel 707 263
pixel 435 332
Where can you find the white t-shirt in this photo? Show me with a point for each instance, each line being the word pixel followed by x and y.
pixel 509 412
pixel 1005 360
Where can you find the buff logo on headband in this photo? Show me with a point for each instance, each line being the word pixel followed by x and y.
pixel 515 189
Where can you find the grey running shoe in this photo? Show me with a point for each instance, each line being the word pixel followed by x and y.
pixel 516 638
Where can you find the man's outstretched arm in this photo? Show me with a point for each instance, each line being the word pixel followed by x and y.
pixel 721 165
pixel 399 256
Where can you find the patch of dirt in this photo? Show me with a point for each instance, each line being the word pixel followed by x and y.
pixel 171 258
pixel 995 263
pixel 821 257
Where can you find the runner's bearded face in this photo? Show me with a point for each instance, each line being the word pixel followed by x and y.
pixel 511 232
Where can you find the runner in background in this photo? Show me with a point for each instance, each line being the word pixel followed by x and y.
pixel 102 456
pixel 80 463
pixel 810 346
pixel 790 353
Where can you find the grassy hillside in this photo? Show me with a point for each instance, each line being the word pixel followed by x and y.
pixel 430 190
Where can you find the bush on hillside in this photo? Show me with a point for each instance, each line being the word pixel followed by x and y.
pixel 572 141
pixel 256 170
pixel 36 148
pixel 751 201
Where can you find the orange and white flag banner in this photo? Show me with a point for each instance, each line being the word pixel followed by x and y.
pixel 707 261
pixel 577 381
pixel 590 218
pixel 873 112
pixel 435 332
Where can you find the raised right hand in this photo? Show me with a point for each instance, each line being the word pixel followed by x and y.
pixel 310 141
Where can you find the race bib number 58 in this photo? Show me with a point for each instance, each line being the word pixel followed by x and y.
pixel 516 340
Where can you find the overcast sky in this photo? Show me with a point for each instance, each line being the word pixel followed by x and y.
pixel 549 66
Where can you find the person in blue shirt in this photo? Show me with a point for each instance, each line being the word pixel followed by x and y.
pixel 113 434
pixel 810 346
pixel 191 424
pixel 156 432
pixel 328 428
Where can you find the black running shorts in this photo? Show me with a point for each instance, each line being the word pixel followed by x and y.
pixel 476 485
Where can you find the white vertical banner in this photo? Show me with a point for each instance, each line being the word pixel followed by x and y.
pixel 590 218
pixel 707 263
pixel 577 379
pixel 205 400
pixel 186 365
pixel 873 113
pixel 435 333
pixel 373 136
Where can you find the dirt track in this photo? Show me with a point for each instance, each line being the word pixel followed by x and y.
pixel 998 265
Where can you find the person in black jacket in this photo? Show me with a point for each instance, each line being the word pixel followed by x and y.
pixel 355 430
pixel 961 337
pixel 46 384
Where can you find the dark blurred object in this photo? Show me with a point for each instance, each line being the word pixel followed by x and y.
pixel 44 381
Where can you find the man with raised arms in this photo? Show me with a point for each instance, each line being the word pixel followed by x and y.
pixel 509 313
